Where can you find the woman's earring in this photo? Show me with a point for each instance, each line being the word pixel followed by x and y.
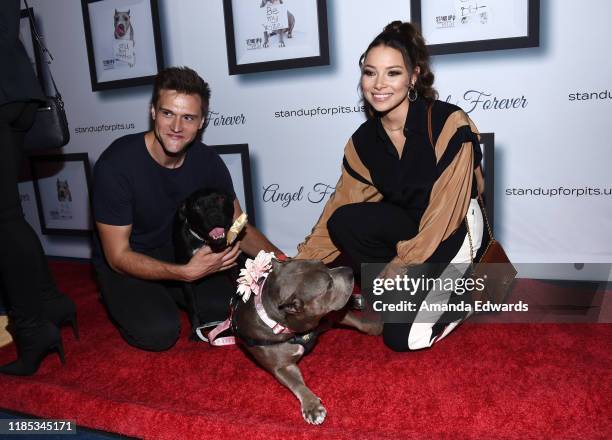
pixel 412 93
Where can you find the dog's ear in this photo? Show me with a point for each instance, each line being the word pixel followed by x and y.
pixel 276 265
pixel 263 3
pixel 292 306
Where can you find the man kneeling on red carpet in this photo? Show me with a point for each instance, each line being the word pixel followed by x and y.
pixel 139 182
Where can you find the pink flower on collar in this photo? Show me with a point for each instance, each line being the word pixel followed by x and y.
pixel 254 274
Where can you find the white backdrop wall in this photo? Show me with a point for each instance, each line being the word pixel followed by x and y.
pixel 554 140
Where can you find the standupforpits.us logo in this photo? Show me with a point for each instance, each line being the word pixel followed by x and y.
pixel 592 95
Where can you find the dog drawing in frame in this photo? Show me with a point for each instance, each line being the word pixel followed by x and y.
pixel 280 32
pixel 123 30
pixel 63 191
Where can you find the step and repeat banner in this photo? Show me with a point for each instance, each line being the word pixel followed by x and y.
pixel 284 80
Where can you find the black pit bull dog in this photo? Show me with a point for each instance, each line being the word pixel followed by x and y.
pixel 203 219
pixel 295 298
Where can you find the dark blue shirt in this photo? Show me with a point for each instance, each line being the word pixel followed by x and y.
pixel 131 188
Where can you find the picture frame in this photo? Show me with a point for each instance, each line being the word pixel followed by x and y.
pixel 28 39
pixel 236 158
pixel 251 48
pixel 457 26
pixel 62 189
pixel 112 28
pixel 487 145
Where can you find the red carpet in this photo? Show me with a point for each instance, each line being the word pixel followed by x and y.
pixel 485 381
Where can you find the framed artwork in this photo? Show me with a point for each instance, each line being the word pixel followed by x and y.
pixel 28 39
pixel 61 187
pixel 265 35
pixel 487 144
pixel 123 42
pixel 236 158
pixel 455 26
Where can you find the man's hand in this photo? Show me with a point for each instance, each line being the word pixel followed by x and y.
pixel 205 262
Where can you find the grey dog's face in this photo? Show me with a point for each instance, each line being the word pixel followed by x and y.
pixel 122 22
pixel 306 291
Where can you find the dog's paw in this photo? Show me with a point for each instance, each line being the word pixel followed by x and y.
pixel 265 45
pixel 314 412
pixel 281 44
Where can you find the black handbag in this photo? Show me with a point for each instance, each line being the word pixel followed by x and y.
pixel 50 129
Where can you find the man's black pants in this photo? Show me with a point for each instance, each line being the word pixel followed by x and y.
pixel 147 312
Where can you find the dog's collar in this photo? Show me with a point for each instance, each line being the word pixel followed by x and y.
pixel 277 327
pixel 192 232
pixel 252 280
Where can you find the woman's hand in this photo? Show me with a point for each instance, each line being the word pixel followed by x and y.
pixel 205 262
pixel 394 268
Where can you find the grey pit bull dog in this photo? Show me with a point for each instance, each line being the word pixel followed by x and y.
pixel 296 296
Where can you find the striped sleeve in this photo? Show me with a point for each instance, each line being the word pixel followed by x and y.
pixel 450 195
pixel 354 186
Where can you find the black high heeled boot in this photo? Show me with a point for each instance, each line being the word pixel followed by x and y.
pixel 33 345
pixel 59 309
pixel 55 305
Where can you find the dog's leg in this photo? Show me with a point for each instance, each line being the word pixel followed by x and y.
pixel 281 361
pixel 281 43
pixel 368 326
pixel 312 409
pixel 266 37
pixel 291 20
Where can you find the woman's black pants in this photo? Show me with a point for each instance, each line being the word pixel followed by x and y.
pixel 26 280
pixel 369 233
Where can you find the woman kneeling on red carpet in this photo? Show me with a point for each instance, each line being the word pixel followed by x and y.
pixel 408 190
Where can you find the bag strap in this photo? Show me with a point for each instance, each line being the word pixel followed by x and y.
pixel 44 50
pixel 480 201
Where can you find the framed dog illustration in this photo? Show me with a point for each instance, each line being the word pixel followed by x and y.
pixel 123 42
pixel 455 26
pixel 265 35
pixel 61 188
pixel 236 158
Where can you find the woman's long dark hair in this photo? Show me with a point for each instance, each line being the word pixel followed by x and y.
pixel 406 38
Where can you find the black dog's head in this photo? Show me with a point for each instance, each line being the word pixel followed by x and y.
pixel 208 215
